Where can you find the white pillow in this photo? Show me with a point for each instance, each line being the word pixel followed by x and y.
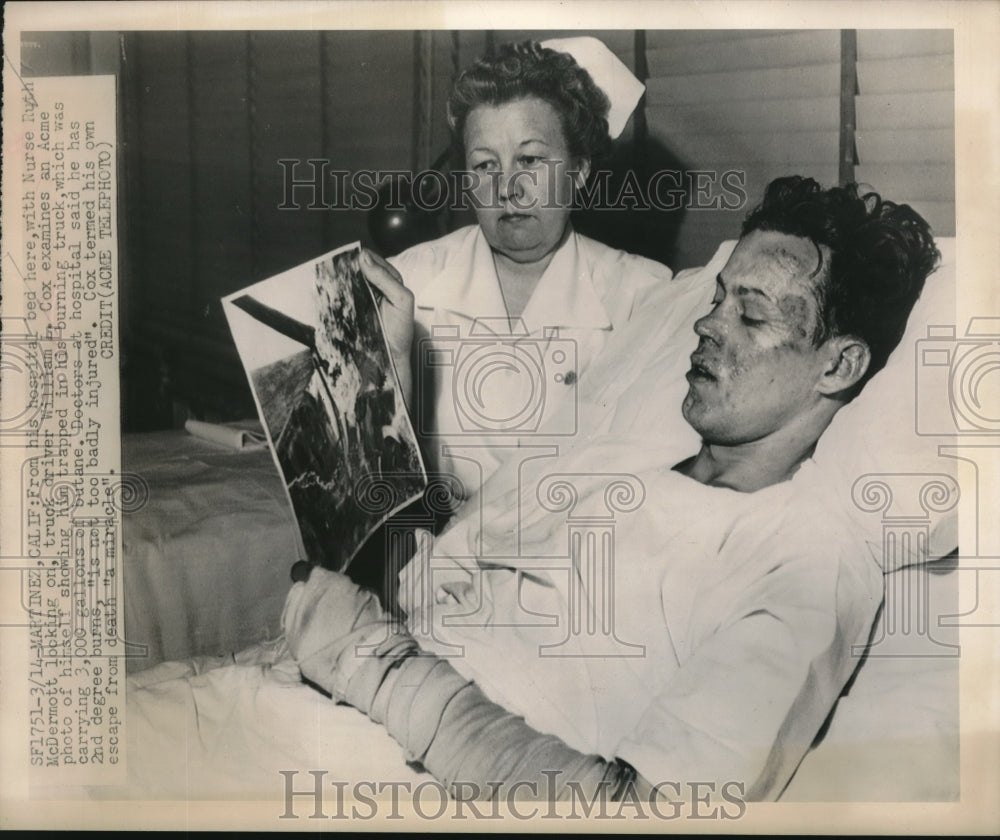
pixel 881 467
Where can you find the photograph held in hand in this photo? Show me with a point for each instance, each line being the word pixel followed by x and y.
pixel 333 410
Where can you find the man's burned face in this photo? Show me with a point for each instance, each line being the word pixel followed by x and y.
pixel 756 369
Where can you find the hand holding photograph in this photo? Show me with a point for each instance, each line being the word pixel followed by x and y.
pixel 312 344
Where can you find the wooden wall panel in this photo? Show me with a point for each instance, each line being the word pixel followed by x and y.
pixel 906 120
pixel 758 103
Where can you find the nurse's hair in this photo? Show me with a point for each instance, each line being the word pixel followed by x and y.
pixel 527 69
pixel 880 255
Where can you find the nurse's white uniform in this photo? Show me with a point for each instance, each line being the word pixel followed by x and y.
pixel 485 387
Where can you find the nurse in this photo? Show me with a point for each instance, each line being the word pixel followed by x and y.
pixel 492 326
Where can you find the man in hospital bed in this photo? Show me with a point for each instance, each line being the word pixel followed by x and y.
pixel 738 591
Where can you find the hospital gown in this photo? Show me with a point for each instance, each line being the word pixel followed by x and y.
pixel 717 642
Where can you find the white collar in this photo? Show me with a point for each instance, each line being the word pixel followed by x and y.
pixel 564 297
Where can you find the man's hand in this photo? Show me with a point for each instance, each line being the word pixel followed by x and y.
pixel 326 617
pixel 396 309
pixel 440 718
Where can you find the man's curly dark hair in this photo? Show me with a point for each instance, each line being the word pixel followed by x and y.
pixel 881 254
pixel 527 69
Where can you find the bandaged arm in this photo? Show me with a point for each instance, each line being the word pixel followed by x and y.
pixel 343 643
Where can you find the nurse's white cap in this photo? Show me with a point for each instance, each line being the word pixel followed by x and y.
pixel 608 72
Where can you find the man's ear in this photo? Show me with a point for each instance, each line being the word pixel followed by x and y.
pixel 848 360
pixel 581 172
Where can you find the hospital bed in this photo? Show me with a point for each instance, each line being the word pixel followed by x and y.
pixel 207 568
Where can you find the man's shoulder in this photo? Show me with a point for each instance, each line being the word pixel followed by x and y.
pixel 795 556
pixel 807 529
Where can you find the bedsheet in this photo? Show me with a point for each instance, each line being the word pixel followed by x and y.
pixel 894 734
pixel 207 557
pixel 225 727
